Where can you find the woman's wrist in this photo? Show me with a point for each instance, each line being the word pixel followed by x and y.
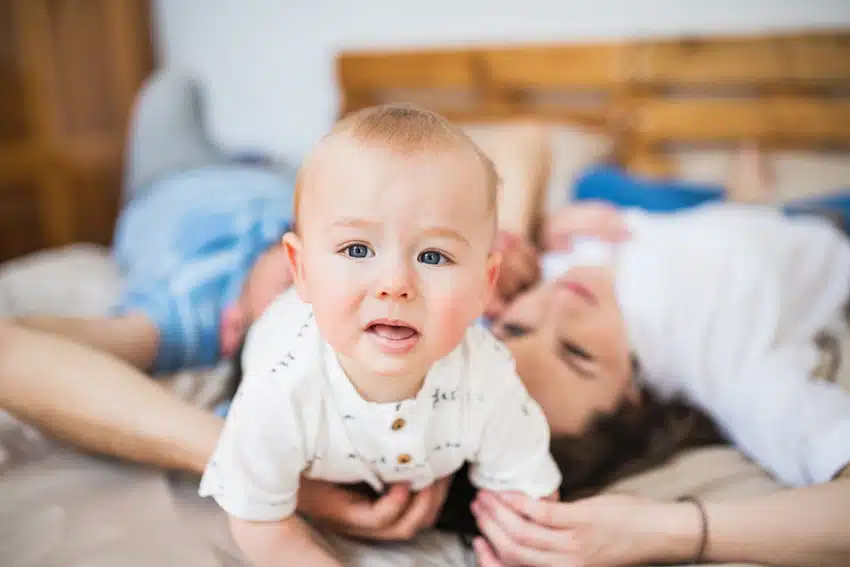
pixel 676 534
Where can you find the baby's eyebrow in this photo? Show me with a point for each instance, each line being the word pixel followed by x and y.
pixel 353 222
pixel 446 232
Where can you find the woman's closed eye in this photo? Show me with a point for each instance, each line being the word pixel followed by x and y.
pixel 514 329
pixel 576 358
pixel 575 350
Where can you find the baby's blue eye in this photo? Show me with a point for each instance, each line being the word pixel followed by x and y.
pixel 432 257
pixel 357 251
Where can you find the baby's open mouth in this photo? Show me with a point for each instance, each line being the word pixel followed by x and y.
pixel 394 332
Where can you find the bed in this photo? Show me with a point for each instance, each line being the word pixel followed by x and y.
pixel 659 108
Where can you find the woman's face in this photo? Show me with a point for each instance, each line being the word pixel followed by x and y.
pixel 571 349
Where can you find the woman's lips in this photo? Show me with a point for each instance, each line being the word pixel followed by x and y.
pixel 578 289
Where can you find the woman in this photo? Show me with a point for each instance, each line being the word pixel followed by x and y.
pixel 728 307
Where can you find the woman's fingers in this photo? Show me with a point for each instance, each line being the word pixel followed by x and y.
pixel 511 552
pixel 484 554
pixel 521 530
pixel 546 512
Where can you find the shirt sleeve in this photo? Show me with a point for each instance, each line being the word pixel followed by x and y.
pixel 513 451
pixel 255 470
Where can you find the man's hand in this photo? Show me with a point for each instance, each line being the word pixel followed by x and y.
pixel 398 515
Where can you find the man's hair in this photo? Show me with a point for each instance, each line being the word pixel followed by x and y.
pixel 403 129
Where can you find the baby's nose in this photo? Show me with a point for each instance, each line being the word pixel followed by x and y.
pixel 397 282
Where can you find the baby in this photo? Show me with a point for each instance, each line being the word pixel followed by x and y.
pixel 371 368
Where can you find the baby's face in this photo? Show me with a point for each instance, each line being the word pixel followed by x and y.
pixel 394 255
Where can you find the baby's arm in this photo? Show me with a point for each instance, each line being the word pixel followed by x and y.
pixel 282 543
pixel 513 447
pixel 254 474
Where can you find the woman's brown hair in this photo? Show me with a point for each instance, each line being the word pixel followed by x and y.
pixel 632 439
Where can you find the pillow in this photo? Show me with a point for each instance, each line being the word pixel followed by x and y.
pixel 798 174
pixel 806 174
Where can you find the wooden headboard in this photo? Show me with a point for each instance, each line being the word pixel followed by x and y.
pixel 775 90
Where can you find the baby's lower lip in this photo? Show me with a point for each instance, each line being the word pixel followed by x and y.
pixel 393 339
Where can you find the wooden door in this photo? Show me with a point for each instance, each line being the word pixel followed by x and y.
pixel 69 70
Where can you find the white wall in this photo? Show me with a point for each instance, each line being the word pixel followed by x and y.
pixel 269 66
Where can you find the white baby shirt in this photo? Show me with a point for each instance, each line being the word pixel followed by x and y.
pixel 296 412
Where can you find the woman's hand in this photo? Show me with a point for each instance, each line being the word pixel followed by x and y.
pixel 592 218
pixel 519 270
pixel 603 531
pixel 398 515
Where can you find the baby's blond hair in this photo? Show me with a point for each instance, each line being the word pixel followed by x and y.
pixel 402 128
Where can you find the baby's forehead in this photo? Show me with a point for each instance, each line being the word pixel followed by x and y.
pixel 346 149
pixel 353 165
pixel 344 168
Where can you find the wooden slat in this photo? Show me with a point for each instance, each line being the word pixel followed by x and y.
pixel 704 62
pixel 406 70
pixel 778 61
pixel 803 121
pixel 568 67
pixel 820 60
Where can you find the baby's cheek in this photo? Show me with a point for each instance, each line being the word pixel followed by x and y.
pixel 453 314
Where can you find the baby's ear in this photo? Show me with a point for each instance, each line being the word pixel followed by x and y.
pixel 492 300
pixel 494 264
pixel 293 248
pixel 232 329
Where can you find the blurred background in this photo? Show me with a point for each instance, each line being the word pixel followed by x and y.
pixel 69 70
